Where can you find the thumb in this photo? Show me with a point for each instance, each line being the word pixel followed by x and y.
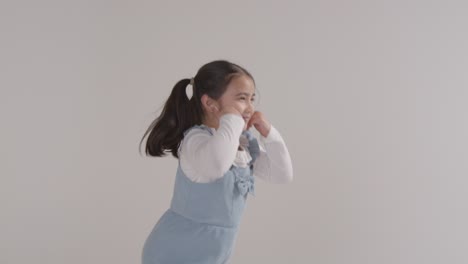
pixel 249 124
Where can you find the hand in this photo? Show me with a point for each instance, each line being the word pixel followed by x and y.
pixel 260 123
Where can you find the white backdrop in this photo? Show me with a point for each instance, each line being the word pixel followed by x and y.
pixel 370 97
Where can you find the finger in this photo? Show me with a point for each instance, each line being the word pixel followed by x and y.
pixel 249 124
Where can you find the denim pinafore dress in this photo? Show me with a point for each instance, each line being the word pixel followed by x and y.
pixel 202 223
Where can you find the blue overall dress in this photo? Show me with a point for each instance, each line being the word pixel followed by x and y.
pixel 201 225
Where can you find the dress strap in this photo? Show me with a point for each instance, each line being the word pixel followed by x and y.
pixel 202 126
pixel 254 148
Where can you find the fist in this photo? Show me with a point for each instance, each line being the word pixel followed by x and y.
pixel 259 121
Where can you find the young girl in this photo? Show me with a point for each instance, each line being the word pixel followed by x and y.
pixel 219 159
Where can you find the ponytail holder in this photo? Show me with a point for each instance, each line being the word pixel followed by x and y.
pixel 189 95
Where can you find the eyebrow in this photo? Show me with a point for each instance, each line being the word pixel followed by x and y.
pixel 245 94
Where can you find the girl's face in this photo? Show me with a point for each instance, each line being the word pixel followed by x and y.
pixel 240 94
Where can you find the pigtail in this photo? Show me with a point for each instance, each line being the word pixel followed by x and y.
pixel 166 132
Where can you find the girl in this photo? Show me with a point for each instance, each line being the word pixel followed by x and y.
pixel 218 160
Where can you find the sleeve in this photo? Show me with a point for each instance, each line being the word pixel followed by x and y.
pixel 207 157
pixel 273 164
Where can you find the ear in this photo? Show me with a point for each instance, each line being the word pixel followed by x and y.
pixel 209 104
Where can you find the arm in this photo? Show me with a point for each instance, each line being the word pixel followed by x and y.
pixel 273 164
pixel 206 157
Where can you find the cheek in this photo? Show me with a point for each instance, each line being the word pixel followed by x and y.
pixel 244 106
pixel 239 105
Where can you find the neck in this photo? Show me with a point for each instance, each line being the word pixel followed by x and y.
pixel 211 124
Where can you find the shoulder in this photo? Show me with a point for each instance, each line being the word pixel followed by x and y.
pixel 198 130
pixel 194 134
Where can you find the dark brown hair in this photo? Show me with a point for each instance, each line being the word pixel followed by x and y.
pixel 180 113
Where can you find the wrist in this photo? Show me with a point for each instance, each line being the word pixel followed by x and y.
pixel 265 130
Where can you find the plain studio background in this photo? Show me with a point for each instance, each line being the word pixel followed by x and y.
pixel 370 97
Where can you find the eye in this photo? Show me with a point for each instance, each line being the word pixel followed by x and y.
pixel 244 98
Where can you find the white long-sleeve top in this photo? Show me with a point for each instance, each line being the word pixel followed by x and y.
pixel 205 157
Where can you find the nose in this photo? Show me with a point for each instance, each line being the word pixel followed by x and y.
pixel 250 108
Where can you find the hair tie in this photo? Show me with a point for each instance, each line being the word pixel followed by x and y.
pixel 189 95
